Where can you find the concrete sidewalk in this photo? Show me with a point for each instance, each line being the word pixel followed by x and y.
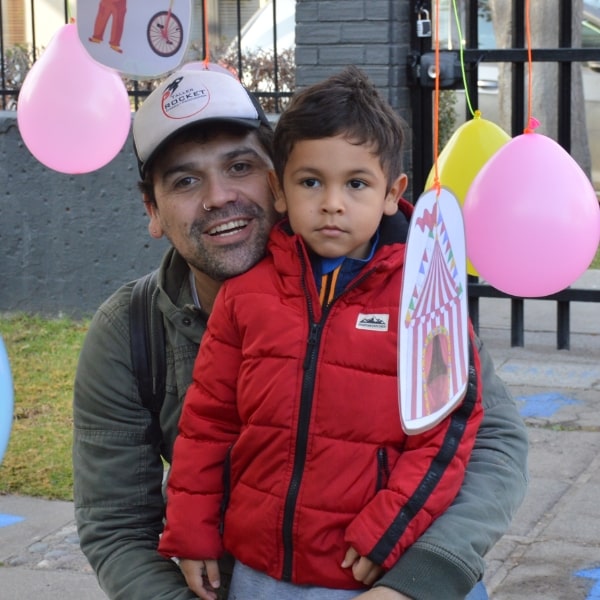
pixel 552 550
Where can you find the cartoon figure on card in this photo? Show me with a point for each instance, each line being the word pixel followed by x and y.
pixel 108 9
pixel 151 41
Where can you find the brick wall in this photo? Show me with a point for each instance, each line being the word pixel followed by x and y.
pixel 14 25
pixel 371 34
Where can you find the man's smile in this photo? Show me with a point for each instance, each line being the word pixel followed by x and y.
pixel 228 228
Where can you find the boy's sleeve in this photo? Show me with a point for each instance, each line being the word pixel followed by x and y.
pixel 447 560
pixel 208 426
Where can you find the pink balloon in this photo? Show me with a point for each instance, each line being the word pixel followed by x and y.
pixel 532 219
pixel 73 113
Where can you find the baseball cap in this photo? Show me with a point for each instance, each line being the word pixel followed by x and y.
pixel 196 93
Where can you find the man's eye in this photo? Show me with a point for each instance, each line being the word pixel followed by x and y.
pixel 240 168
pixel 184 182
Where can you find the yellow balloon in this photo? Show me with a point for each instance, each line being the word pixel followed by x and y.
pixel 469 148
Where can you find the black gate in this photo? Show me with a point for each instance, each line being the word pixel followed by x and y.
pixel 422 85
pixel 268 70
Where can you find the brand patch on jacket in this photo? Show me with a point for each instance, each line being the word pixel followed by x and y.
pixel 373 322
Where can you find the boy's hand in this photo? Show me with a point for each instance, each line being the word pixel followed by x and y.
pixel 363 569
pixel 201 576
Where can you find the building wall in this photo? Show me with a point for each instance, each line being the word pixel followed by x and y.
pixel 14 22
pixel 68 241
pixel 371 34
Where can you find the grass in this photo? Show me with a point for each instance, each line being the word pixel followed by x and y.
pixel 43 356
pixel 596 262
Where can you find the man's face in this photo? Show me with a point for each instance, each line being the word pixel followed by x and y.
pixel 228 175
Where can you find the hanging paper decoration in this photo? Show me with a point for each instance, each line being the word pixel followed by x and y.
pixel 141 39
pixel 433 353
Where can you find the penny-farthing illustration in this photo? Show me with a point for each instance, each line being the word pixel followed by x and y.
pixel 165 34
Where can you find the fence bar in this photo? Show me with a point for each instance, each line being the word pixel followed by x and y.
pixel 562 299
pixel 2 71
pixel 565 35
pixel 517 322
pixel 474 312
pixel 563 325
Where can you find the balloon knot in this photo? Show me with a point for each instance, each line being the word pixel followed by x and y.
pixel 533 125
pixel 477 114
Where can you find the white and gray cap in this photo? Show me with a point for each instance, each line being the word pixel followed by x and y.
pixel 193 95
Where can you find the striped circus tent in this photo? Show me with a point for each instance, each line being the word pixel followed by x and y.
pixel 436 322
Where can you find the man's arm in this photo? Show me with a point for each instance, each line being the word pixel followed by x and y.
pixel 117 468
pixel 447 561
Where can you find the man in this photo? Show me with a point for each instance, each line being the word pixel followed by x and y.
pixel 203 147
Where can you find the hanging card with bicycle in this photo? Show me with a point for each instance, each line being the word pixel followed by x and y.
pixel 139 39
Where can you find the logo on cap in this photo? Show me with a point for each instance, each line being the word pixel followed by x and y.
pixel 182 101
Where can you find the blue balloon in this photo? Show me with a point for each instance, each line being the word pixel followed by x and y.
pixel 6 399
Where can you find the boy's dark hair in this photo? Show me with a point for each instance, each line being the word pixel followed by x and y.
pixel 345 104
pixel 203 133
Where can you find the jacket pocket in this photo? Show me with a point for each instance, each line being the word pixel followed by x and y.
pixel 383 469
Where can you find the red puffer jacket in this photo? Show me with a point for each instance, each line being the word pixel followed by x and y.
pixel 301 407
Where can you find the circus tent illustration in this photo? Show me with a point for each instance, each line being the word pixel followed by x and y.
pixel 436 323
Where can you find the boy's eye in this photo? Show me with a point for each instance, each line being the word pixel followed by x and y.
pixel 356 184
pixel 310 182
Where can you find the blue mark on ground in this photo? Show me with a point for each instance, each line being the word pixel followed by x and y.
pixel 543 405
pixel 6 520
pixel 595 575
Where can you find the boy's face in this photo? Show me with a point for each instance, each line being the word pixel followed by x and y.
pixel 334 193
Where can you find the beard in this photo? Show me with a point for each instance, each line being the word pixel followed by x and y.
pixel 222 262
pixel 225 262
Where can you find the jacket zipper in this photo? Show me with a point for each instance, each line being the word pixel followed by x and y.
pixel 306 399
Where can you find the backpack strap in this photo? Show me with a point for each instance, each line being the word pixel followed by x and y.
pixel 148 342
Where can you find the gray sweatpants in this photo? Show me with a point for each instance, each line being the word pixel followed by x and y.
pixel 248 584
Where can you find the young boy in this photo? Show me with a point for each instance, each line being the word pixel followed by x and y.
pixel 291 455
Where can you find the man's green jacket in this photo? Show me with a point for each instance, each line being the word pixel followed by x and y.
pixel 119 463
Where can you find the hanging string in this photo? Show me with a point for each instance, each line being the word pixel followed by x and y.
pixel 462 57
pixel 436 101
pixel 206 40
pixel 531 122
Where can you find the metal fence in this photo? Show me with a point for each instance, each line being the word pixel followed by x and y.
pixel 268 70
pixel 517 57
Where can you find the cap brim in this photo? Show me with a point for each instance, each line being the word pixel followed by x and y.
pixel 247 123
